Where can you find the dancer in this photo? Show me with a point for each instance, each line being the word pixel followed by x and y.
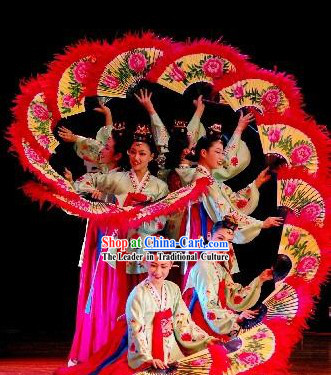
pixel 112 282
pixel 216 298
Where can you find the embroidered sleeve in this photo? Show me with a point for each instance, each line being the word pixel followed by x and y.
pixel 187 333
pixel 103 134
pixel 160 133
pixel 139 351
pixel 88 149
pixel 219 318
pixel 240 298
pixel 196 129
pixel 245 200
pixel 237 158
pixel 86 183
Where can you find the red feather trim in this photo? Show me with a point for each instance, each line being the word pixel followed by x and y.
pixel 286 336
pixel 321 184
pixel 120 218
pixel 16 146
pixel 220 360
pixel 319 134
pixel 42 194
pixel 56 68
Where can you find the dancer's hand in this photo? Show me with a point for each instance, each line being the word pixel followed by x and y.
pixel 272 221
pixel 200 105
pixel 247 314
pixel 68 175
pixel 262 178
pixel 67 135
pixel 106 112
pixel 144 98
pixel 266 275
pixel 243 122
pixel 157 363
pixel 96 194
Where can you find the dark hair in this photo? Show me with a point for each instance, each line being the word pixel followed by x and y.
pixel 121 147
pixel 204 143
pixel 225 223
pixel 178 141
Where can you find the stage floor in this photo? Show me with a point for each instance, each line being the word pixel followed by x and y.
pixel 310 357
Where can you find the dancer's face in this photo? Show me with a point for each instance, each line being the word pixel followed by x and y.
pixel 107 154
pixel 140 155
pixel 213 157
pixel 223 234
pixel 158 271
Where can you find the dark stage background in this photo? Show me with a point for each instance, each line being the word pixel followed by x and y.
pixel 40 248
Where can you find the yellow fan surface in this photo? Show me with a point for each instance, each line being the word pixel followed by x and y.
pixel 301 198
pixel 292 144
pixel 42 165
pixel 39 123
pixel 258 345
pixel 70 99
pixel 198 363
pixel 257 93
pixel 302 249
pixel 190 69
pixel 126 70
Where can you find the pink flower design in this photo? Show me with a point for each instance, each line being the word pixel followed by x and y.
pixel 260 335
pixel 311 211
pixel 137 62
pixel 290 188
pixel 80 71
pixel 83 204
pixel 198 362
pixel 132 347
pixel 301 154
pixel 167 327
pixel 43 140
pixel 186 337
pixel 31 154
pixel 111 81
pixel 234 161
pixel 68 101
pixel 249 358
pixel 281 295
pixel 62 184
pixel 241 203
pixel 293 237
pixel 306 264
pixel 40 112
pixel 211 315
pixel 177 74
pixel 270 99
pixel 274 135
pixel 213 67
pixel 238 92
